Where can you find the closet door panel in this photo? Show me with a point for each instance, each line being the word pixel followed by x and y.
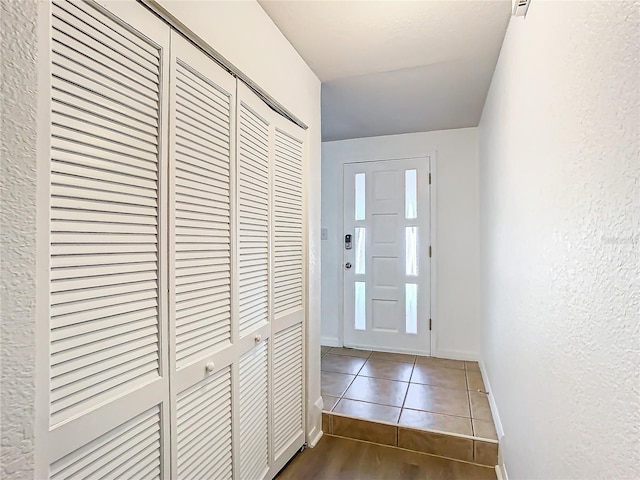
pixel 254 166
pixel 288 389
pixel 254 413
pixel 107 355
pixel 202 98
pixel 204 429
pixel 253 218
pixel 288 328
pixel 131 450
pixel 202 111
pixel 203 238
pixel 92 323
pixel 288 224
pixel 271 272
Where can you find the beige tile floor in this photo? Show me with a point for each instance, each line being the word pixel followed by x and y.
pixel 420 392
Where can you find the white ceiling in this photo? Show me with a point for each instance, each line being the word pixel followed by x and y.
pixel 399 66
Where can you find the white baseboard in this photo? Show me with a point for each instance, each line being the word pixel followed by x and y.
pixel 314 437
pixel 501 468
pixel 330 341
pixel 449 354
pixel 379 348
pixel 315 412
pixel 455 355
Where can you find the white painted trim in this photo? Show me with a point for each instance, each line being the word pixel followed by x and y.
pixel 307 364
pixel 455 355
pixel 379 348
pixel 497 421
pixel 306 347
pixel 492 401
pixel 330 341
pixel 340 256
pixel 433 335
pixel 501 467
pixel 314 437
pixel 43 182
pixel 314 434
pixel 311 370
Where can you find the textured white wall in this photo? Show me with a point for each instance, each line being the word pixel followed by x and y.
pixel 560 232
pixel 18 84
pixel 457 251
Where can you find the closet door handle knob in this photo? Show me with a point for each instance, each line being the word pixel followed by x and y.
pixel 257 338
pixel 210 366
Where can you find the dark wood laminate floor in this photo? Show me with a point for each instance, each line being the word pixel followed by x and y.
pixel 336 458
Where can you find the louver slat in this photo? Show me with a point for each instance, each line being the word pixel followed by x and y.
pixel 204 429
pixel 254 417
pixel 104 217
pixel 287 224
pixel 287 387
pixel 131 451
pixel 253 212
pixel 202 216
pixel 96 21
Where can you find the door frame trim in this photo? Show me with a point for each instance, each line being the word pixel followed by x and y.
pixel 432 158
pixel 434 251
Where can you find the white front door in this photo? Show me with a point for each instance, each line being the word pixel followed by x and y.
pixel 387 255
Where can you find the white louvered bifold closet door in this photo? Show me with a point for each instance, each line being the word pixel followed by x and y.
pixel 202 122
pixel 253 222
pixel 288 259
pixel 108 380
pixel 271 301
pixel 176 253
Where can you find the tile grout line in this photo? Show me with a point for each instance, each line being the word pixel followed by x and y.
pixel 473 428
pixel 466 377
pixel 341 397
pixel 404 400
pixel 345 391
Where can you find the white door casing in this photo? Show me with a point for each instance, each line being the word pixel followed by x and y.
pixel 387 270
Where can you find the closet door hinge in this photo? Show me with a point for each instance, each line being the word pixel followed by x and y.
pixel 429 178
pixel 430 324
pixel 429 251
